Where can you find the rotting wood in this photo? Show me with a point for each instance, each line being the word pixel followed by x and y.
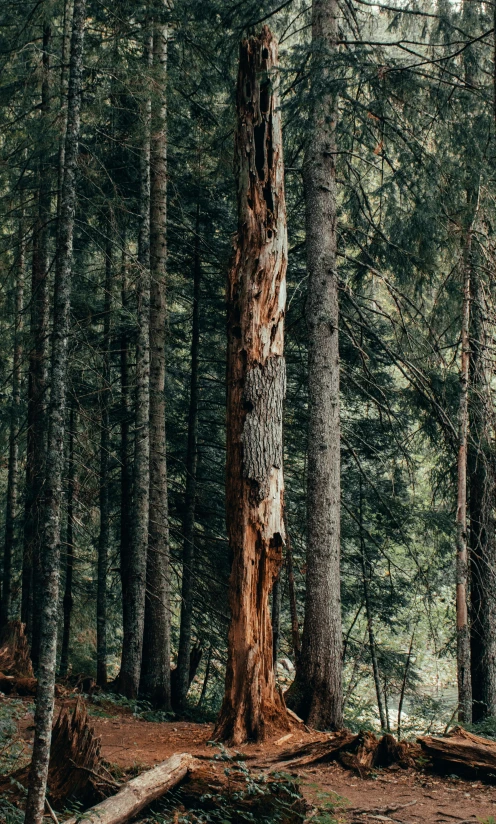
pixel 359 752
pixel 256 298
pixel 463 749
pixel 139 792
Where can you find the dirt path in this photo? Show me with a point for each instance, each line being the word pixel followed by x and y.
pixel 397 795
pixel 393 795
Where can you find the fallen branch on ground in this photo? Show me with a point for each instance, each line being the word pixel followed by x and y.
pixel 139 792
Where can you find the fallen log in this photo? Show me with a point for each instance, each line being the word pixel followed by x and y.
pixel 360 752
pixel 461 748
pixel 138 793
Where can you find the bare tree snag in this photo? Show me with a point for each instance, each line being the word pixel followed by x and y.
pixel 139 792
pixel 256 387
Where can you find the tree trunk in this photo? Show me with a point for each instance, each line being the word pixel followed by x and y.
pixel 125 463
pixel 185 630
pixel 37 385
pixel 482 486
pixel 134 572
pixel 155 671
pixel 55 446
pixel 104 536
pixel 256 386
pixel 316 694
pixel 276 617
pixel 462 629
pixel 293 603
pixel 13 466
pixel 68 601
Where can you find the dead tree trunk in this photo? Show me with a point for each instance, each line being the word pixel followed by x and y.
pixel 155 671
pixel 316 693
pixel 55 444
pixel 13 466
pixel 256 387
pixel 462 628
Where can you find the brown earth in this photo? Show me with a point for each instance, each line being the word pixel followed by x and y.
pixel 391 795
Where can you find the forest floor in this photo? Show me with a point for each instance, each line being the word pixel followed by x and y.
pixel 406 796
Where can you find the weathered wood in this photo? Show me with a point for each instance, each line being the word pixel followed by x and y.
pixel 256 297
pixel 462 748
pixel 139 792
pixel 75 759
pixel 14 652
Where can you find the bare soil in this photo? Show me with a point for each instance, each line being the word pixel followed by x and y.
pixel 391 795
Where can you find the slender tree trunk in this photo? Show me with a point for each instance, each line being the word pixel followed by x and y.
pixel 104 537
pixel 462 628
pixel 293 603
pixel 134 571
pixel 13 467
pixel 55 446
pixel 68 601
pixel 126 470
pixel 316 693
pixel 370 625
pixel 37 385
pixel 482 485
pixel 155 672
pixel 185 630
pixel 256 379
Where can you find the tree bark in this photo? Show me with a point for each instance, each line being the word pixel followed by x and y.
pixel 482 486
pixel 256 381
pixel 316 693
pixel 155 671
pixel 276 617
pixel 68 601
pixel 184 649
pixel 125 463
pixel 37 383
pixel 104 536
pixel 293 603
pixel 56 425
pixel 134 567
pixel 462 628
pixel 13 465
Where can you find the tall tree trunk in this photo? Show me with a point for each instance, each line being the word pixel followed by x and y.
pixel 185 630
pixel 155 672
pixel 134 568
pixel 125 463
pixel 256 379
pixel 316 693
pixel 293 604
pixel 482 486
pixel 37 384
pixel 462 628
pixel 13 466
pixel 55 445
pixel 104 536
pixel 68 600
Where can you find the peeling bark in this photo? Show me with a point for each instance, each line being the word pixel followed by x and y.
pixel 256 386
